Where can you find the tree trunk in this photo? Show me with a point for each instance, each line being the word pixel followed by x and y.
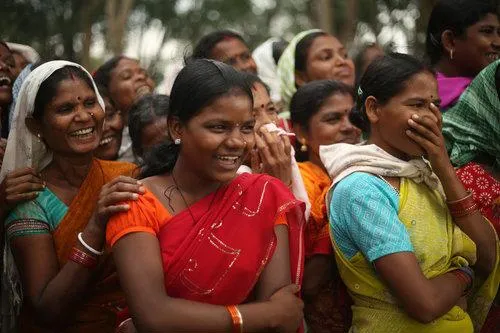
pixel 324 15
pixel 117 12
pixel 348 29
pixel 87 13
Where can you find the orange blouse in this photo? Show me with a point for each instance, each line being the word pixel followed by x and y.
pixel 146 214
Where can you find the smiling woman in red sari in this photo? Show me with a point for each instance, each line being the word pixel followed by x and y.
pixel 205 250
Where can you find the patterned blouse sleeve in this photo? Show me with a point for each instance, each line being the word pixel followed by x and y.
pixel 27 218
pixel 364 218
pixel 146 214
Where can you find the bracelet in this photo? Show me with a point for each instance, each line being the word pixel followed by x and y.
pixel 462 207
pixel 236 318
pixel 88 247
pixel 82 258
pixel 466 275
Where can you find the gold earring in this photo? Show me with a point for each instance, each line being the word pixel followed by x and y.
pixel 451 54
pixel 303 147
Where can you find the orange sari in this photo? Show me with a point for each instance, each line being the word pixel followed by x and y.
pixel 105 298
pixel 329 310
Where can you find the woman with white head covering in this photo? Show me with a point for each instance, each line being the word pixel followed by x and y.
pixel 56 239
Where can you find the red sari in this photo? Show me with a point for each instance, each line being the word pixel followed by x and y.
pixel 218 257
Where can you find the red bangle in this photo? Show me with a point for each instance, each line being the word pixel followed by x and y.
pixel 82 258
pixel 463 277
pixel 236 318
pixel 462 207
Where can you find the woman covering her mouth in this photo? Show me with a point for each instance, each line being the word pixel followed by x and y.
pixel 463 37
pixel 54 242
pixel 217 250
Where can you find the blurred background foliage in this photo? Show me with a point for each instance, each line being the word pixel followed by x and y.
pixel 158 31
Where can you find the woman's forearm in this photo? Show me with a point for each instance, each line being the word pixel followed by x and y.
pixel 474 225
pixel 56 299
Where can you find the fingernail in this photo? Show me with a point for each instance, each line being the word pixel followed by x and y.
pixel 408 132
pixel 135 196
pixel 411 122
pixel 142 189
pixel 415 116
pixel 433 105
pixel 126 206
pixel 139 182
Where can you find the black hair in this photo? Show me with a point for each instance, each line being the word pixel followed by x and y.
pixel 102 75
pixel 203 50
pixel 253 79
pixel 145 111
pixel 384 78
pixel 457 16
pixel 302 49
pixel 359 60
pixel 278 47
pixel 197 85
pixel 48 88
pixel 309 98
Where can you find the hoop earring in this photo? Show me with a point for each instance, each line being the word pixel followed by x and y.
pixel 451 54
pixel 177 142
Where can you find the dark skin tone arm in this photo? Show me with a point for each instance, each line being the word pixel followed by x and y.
pixel 428 299
pixel 53 291
pixel 318 272
pixel 276 308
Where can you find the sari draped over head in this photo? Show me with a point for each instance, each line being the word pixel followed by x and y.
pixel 472 127
pixel 24 149
pixel 214 251
pixel 266 67
pixel 439 245
pixel 286 71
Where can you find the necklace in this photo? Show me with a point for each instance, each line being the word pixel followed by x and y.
pixel 185 201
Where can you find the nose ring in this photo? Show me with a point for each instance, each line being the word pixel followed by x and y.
pixel 92 114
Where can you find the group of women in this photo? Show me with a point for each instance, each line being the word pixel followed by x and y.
pixel 356 198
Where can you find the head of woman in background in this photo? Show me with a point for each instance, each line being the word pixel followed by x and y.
pixel 125 80
pixel 384 106
pixel 228 47
pixel 261 99
pixel 365 57
pixel 463 37
pixel 148 123
pixel 7 65
pixel 111 139
pixel 319 112
pixel 313 55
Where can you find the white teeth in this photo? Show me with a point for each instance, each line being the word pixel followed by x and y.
pixel 228 158
pixel 105 141
pixel 82 131
pixel 5 81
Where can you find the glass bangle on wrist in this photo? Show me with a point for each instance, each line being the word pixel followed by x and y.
pixel 88 247
pixel 236 318
pixel 462 207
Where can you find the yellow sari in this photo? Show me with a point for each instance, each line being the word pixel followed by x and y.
pixel 440 246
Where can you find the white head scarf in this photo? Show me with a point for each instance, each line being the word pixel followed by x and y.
pixel 24 149
pixel 267 68
pixel 286 68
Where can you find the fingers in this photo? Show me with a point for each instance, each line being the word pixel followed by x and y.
pixel 273 141
pixel 437 113
pixel 22 172
pixel 117 197
pixel 29 178
pixel 291 288
pixel 255 161
pixel 13 199
pixel 287 145
pixel 24 188
pixel 426 128
pixel 123 184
